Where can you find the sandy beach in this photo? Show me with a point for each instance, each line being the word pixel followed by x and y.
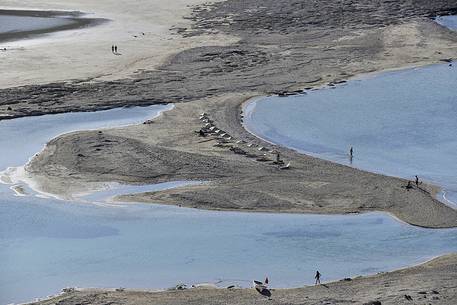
pixel 429 283
pixel 211 59
pixel 141 31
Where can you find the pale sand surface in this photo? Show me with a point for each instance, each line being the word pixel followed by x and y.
pixel 86 53
pixel 434 282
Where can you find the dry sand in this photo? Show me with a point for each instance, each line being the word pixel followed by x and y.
pixel 85 54
pixel 434 282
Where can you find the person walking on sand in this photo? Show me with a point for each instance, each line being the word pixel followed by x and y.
pixel 317 277
pixel 417 181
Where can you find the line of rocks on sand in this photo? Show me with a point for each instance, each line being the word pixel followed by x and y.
pixel 225 140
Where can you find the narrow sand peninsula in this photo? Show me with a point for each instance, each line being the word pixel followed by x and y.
pixel 140 29
pixel 241 177
pixel 431 283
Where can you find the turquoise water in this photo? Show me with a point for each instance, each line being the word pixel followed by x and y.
pixel 46 244
pixel 401 123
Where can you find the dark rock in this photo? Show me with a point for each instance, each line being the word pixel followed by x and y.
pixel 373 303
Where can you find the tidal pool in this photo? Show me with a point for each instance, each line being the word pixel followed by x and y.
pixel 47 244
pixel 401 123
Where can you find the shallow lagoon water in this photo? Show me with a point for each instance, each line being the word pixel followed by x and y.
pixel 401 123
pixel 12 23
pixel 47 244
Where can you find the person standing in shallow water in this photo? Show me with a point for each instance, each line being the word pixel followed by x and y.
pixel 317 277
pixel 115 49
pixel 112 49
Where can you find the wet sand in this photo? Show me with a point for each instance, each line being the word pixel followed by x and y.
pixel 431 283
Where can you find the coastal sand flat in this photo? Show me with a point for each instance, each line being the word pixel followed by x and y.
pixel 279 46
pixel 169 149
pixel 434 282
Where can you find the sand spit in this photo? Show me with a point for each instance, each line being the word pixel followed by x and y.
pixel 433 282
pixel 239 167
pixel 231 46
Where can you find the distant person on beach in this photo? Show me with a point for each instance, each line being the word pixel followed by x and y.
pixel 351 152
pixel 115 49
pixel 317 277
pixel 112 49
pixel 417 181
